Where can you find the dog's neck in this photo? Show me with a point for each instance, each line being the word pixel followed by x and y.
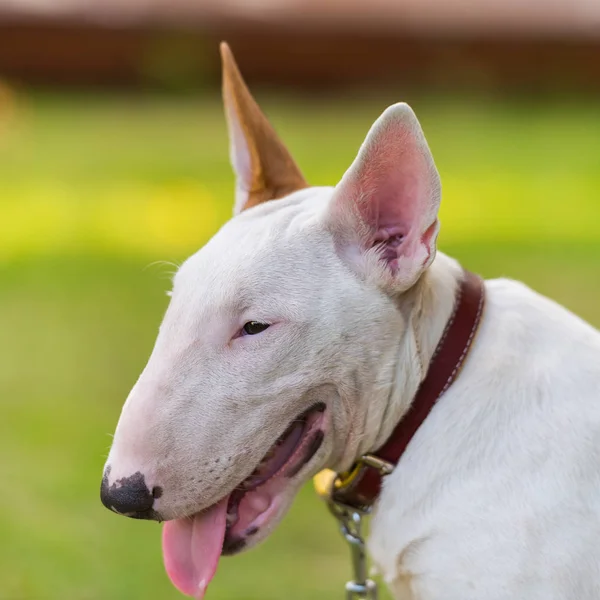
pixel 425 309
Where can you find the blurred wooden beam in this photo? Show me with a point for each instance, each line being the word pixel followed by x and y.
pixel 79 51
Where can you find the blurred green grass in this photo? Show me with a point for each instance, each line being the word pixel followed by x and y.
pixel 94 189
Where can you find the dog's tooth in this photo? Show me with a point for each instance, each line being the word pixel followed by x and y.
pixel 268 456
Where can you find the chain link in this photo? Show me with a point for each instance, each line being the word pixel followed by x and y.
pixel 350 521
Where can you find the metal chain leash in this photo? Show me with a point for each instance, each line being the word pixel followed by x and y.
pixel 350 522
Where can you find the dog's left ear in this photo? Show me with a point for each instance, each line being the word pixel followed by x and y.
pixel 383 213
pixel 264 168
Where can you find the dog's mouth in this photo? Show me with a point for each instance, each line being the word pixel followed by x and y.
pixel 248 506
pixel 192 546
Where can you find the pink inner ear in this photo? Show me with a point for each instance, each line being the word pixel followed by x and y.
pixel 389 182
pixel 388 240
pixel 393 188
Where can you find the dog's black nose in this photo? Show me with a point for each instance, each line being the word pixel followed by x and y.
pixel 129 496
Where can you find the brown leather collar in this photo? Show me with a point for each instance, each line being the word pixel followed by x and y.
pixel 360 487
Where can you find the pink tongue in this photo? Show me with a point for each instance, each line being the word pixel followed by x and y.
pixel 192 548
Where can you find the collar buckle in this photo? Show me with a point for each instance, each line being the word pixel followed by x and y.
pixel 382 466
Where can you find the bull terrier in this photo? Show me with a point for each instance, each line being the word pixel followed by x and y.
pixel 297 339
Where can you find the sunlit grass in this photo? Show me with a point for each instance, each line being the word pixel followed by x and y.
pixel 93 190
pixel 122 218
pixel 151 177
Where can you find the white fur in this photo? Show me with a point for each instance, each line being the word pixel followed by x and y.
pixel 498 495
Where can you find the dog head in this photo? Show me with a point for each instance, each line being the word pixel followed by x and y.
pixel 275 354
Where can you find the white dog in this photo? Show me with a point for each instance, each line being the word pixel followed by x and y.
pixel 297 338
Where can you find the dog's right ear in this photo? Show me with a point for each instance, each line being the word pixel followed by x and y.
pixel 383 213
pixel 264 168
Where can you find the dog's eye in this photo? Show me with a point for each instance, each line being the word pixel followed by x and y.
pixel 254 327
